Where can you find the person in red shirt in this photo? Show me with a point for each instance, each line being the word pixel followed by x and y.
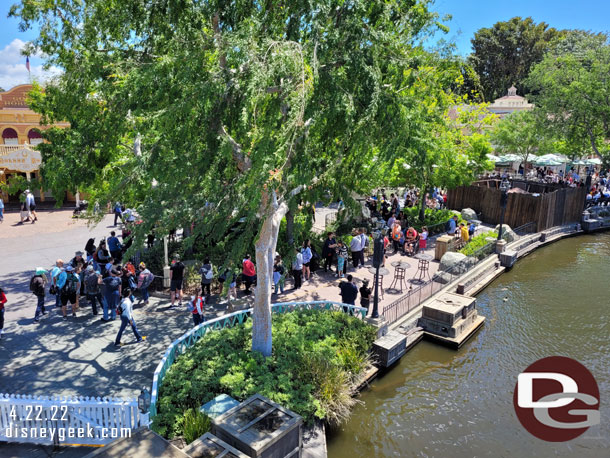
pixel 248 272
pixel 2 302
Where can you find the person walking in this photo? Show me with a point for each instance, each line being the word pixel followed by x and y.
pixel 307 256
pixel 145 278
pixel 249 273
pixel 30 203
pixel 1 210
pixel 279 276
pixel 93 282
pixel 118 212
pixel 24 213
pixel 112 294
pixel 297 268
pixel 69 292
pixel 38 285
pixel 115 247
pixel 348 291
pixel 2 302
pixel 196 307
pixel 125 310
pixel 207 275
pixel 176 275
pixel 328 251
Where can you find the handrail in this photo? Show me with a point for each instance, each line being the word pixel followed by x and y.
pixel 189 338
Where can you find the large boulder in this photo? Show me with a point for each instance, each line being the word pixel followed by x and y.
pixel 507 233
pixel 469 214
pixel 450 261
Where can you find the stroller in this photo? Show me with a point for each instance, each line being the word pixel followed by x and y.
pixel 82 207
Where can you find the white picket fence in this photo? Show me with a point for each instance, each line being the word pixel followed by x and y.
pixel 67 420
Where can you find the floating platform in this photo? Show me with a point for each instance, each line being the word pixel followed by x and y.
pixel 457 342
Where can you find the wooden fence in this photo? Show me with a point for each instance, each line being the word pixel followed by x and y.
pixel 67 420
pixel 555 208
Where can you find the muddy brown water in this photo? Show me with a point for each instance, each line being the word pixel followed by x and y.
pixel 438 402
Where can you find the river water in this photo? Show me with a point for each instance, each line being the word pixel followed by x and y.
pixel 439 402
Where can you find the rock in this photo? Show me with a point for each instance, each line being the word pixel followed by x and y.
pixel 507 233
pixel 442 277
pixel 469 214
pixel 450 260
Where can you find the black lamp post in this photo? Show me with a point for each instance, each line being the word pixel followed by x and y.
pixel 504 187
pixel 377 262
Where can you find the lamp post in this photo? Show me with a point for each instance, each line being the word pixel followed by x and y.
pixel 144 400
pixel 504 187
pixel 377 261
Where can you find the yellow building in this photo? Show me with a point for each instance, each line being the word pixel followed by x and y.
pixel 20 132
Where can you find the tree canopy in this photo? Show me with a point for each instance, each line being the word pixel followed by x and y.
pixel 210 114
pixel 503 54
pixel 520 134
pixel 572 87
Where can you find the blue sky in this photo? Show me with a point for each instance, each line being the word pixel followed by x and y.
pixel 468 17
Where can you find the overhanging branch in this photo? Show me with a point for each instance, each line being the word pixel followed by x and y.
pixel 244 163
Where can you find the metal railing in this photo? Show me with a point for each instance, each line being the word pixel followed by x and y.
pixel 418 294
pixel 191 337
pixel 526 229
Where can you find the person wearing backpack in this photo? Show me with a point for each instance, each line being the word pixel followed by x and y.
pixel 93 280
pixel 2 302
pixel 38 284
pixel 207 275
pixel 112 294
pixel 196 307
pixel 145 278
pixel 125 311
pixel 69 292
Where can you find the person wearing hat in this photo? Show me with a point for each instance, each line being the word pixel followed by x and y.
pixel 79 264
pixel 38 284
pixel 365 295
pixel 112 294
pixel 93 281
pixel 176 275
pixel 70 292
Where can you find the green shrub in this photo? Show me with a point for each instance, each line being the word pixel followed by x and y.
pixel 477 242
pixel 318 359
pixel 195 424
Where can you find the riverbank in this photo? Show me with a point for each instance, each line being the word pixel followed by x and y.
pixel 438 402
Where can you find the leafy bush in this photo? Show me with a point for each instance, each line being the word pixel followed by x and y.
pixel 195 424
pixel 318 359
pixel 477 242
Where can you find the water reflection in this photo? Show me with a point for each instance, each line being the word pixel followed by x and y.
pixel 439 402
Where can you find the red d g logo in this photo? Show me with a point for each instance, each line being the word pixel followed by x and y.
pixel 556 399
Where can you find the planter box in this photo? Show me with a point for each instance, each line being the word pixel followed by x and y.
pixel 390 348
pixel 261 428
pixel 209 446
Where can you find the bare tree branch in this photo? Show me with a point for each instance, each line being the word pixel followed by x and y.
pixel 244 163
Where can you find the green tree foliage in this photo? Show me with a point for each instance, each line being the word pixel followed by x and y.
pixel 520 134
pixel 503 54
pixel 207 113
pixel 572 84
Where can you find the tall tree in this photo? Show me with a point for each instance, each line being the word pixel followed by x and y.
pixel 503 54
pixel 573 92
pixel 212 112
pixel 520 134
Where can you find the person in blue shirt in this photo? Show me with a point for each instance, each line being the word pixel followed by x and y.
pixel 452 225
pixel 307 255
pixel 115 247
pixel 58 280
pixel 118 212
pixel 1 210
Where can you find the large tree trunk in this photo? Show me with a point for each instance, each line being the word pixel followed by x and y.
pixel 265 251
